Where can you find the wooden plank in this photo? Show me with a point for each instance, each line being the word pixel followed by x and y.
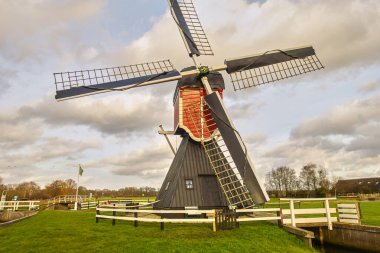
pixel 347 210
pixel 349 221
pixel 156 219
pixel 191 212
pixel 257 219
pixel 258 210
pixel 349 216
pixel 308 211
pixel 307 199
pixel 310 220
pixel 347 206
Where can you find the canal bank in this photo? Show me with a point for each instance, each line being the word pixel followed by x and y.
pixel 346 238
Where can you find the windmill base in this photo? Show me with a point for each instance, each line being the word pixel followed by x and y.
pixel 190 182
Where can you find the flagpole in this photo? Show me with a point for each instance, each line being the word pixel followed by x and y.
pixel 76 194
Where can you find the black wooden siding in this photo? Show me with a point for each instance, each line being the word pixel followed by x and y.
pixel 190 162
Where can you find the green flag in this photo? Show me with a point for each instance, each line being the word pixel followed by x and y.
pixel 80 170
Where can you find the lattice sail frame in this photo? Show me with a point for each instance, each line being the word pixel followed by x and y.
pixel 192 27
pixel 267 68
pixel 73 79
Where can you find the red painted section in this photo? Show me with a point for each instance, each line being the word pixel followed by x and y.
pixel 191 113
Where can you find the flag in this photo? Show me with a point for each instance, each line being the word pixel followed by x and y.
pixel 80 170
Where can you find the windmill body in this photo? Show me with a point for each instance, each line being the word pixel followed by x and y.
pixel 212 167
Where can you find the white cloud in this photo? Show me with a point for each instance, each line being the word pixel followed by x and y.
pixel 344 137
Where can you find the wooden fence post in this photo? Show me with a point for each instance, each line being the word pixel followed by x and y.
pixel 327 206
pixel 235 219
pixel 280 222
pixel 292 215
pixel 359 209
pixel 136 216
pixel 97 213
pixel 114 214
pixel 162 223
pixel 214 223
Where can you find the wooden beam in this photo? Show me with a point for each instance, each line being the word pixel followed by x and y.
pixel 167 139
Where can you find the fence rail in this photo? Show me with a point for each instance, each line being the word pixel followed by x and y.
pixel 225 219
pixel 20 205
pixel 326 211
pixel 349 213
pixel 192 216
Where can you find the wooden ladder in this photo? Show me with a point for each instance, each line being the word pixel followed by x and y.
pixel 220 158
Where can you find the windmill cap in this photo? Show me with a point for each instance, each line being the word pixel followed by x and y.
pixel 214 78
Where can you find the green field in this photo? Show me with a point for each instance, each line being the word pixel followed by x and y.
pixel 69 231
pixel 370 213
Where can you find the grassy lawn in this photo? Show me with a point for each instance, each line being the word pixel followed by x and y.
pixel 68 231
pixel 371 213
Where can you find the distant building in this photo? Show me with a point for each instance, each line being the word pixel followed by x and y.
pixel 360 185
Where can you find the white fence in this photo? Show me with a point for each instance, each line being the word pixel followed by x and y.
pixel 257 217
pixel 88 205
pixel 193 215
pixel 19 205
pixel 326 212
pixel 349 213
pixel 67 199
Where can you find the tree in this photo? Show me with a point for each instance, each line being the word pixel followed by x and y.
pixel 324 183
pixel 282 179
pixel 308 178
pixel 28 190
pixel 60 187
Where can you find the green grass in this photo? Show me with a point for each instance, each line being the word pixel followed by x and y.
pixel 68 231
pixel 370 213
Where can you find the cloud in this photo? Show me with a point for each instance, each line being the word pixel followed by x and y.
pixel 30 161
pixel 6 78
pixel 15 133
pixel 41 27
pixel 368 87
pixel 256 139
pixel 345 137
pixel 112 115
pixel 339 41
pixel 147 162
pixel 342 120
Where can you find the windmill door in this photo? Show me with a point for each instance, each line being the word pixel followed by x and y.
pixel 210 190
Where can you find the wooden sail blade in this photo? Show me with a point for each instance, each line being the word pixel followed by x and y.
pixel 192 31
pixel 236 149
pixel 271 66
pixel 88 82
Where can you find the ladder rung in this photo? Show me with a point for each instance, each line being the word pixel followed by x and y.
pixel 233 182
pixel 220 166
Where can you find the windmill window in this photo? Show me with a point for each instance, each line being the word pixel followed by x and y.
pixel 189 184
pixel 167 186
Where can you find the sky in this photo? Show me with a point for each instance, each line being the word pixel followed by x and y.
pixel 329 117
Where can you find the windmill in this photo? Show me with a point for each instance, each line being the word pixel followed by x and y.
pixel 212 167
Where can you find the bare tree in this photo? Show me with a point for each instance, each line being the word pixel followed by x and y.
pixel 282 179
pixel 324 183
pixel 28 190
pixel 308 178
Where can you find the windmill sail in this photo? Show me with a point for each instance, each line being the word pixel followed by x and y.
pixel 271 66
pixel 250 181
pixel 192 32
pixel 88 82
